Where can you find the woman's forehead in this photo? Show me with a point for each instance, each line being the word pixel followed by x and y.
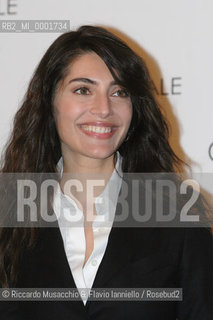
pixel 88 66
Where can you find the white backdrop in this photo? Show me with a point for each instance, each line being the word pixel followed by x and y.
pixel 174 38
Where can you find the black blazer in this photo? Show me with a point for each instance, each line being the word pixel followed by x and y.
pixel 134 258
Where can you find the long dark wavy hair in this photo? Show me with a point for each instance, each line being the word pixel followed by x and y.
pixel 34 144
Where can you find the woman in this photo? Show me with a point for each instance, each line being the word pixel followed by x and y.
pixel 89 110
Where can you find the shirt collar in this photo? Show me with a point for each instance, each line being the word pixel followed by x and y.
pixel 105 203
pixel 118 166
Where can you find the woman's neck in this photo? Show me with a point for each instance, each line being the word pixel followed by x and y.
pixel 87 174
pixel 85 165
pixel 82 164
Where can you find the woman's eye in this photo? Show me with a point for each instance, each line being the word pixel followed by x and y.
pixel 121 93
pixel 82 90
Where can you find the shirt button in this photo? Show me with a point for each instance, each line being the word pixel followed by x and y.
pixel 99 201
pixel 94 262
pixel 101 212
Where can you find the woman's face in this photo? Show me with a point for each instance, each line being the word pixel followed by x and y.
pixel 92 112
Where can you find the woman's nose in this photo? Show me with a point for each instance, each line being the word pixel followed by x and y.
pixel 101 106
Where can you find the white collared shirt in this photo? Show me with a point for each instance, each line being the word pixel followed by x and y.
pixel 71 225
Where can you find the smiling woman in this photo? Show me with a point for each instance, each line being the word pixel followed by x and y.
pixel 90 110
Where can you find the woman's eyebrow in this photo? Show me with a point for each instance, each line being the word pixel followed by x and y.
pixel 87 80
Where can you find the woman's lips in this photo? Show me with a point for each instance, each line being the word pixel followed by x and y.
pixel 98 130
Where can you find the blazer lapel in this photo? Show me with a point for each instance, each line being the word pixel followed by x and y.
pixel 46 264
pixel 127 241
pixel 119 248
pixel 61 270
pixel 117 254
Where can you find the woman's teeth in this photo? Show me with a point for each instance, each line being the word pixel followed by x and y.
pixel 97 129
